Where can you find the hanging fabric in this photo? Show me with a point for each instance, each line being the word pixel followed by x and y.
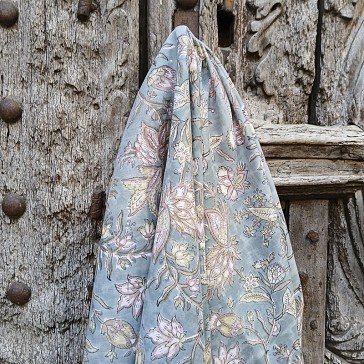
pixel 195 263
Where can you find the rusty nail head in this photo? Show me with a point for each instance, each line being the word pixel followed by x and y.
pixel 313 236
pixel 18 293
pixel 313 325
pixel 13 205
pixel 10 110
pixel 187 4
pixel 8 14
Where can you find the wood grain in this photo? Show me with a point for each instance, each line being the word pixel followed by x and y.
pixel 76 82
pixel 311 258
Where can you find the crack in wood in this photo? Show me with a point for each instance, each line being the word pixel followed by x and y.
pixel 312 101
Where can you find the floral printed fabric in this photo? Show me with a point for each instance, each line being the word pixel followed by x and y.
pixel 195 263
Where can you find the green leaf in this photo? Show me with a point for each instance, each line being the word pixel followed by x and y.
pixel 101 302
pixel 92 325
pixel 90 348
pixel 119 222
pixel 289 305
pixel 281 286
pixel 166 293
pixel 255 297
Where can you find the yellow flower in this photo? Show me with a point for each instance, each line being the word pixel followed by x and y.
pixel 147 230
pixel 181 255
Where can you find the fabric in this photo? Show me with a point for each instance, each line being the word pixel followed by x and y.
pixel 195 263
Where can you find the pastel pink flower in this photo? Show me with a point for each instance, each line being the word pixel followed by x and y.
pixel 231 181
pixel 193 284
pixel 124 242
pixel 231 356
pixel 132 295
pixel 168 337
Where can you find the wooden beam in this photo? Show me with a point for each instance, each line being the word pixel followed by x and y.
pixel 310 141
pixel 308 227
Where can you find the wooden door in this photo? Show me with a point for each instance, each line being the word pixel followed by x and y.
pixel 299 67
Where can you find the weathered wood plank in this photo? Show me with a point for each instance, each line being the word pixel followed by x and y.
pixel 160 24
pixel 76 82
pixel 341 97
pixel 345 290
pixel 311 142
pixel 272 58
pixel 308 227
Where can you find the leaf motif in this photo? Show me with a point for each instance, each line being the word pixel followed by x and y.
pixel 282 285
pixel 181 204
pixel 160 274
pixel 254 156
pixel 101 301
pixel 215 141
pixel 217 221
pixel 136 184
pixel 166 293
pixel 137 202
pixel 92 325
pixel 149 172
pixel 162 232
pixel 119 222
pixel 109 265
pixel 226 156
pixel 150 136
pixel 182 95
pixel 254 342
pixel 90 348
pixel 251 146
pixel 255 297
pixel 264 213
pixel 289 303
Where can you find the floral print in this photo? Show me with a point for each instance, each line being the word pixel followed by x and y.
pixel 168 337
pixel 195 264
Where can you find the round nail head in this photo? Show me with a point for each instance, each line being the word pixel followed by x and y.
pixel 13 205
pixel 313 236
pixel 8 14
pixel 10 110
pixel 18 293
pixel 187 4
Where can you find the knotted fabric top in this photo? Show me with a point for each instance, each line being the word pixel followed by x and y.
pixel 195 263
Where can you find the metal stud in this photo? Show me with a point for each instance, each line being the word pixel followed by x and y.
pixel 18 293
pixel 13 205
pixel 313 236
pixel 10 110
pixel 8 14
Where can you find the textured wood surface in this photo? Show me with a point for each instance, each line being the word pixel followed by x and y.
pixel 345 292
pixel 341 97
pixel 306 217
pixel 76 82
pixel 269 61
pixel 293 61
pixel 311 142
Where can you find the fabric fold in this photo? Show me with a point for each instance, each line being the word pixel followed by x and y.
pixel 195 263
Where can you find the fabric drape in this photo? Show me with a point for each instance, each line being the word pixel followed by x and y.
pixel 195 263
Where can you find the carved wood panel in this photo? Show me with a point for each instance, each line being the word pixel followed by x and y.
pixel 341 72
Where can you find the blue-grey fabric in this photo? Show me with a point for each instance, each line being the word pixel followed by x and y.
pixel 195 263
